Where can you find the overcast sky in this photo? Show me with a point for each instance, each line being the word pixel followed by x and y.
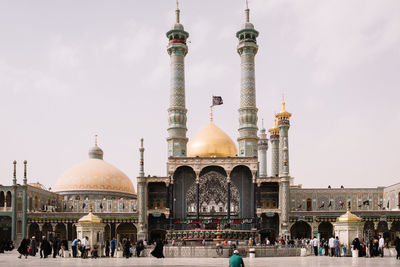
pixel 71 69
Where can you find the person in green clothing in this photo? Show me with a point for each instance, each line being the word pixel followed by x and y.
pixel 236 260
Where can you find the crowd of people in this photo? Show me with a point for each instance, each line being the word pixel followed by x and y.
pixel 55 247
pixel 80 247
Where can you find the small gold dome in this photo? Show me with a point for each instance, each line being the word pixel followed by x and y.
pixel 349 217
pixel 211 141
pixel 284 114
pixel 275 129
pixel 90 218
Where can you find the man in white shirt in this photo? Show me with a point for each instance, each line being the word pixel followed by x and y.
pixel 314 243
pixel 381 245
pixel 331 246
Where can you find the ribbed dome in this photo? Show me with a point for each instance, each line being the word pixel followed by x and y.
pixel 211 141
pixel 94 174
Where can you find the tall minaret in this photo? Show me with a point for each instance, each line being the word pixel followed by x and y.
pixel 247 49
pixel 262 151
pixel 142 197
pixel 177 49
pixel 284 124
pixel 274 138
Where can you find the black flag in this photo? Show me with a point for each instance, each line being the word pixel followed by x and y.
pixel 217 100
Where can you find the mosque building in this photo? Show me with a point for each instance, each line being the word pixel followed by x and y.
pixel 212 182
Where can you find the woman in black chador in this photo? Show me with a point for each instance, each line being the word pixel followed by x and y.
pixel 397 245
pixel 158 250
pixel 23 248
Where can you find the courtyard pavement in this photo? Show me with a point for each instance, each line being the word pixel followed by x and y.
pixel 10 259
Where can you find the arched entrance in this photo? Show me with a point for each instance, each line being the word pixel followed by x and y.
pixel 60 231
pixel 394 231
pixel 369 230
pixel 34 230
pixel 127 230
pixel 184 178
pixel 383 229
pixel 300 229
pixel 107 232
pixel 269 225
pixel 157 234
pixel 325 230
pixel 47 230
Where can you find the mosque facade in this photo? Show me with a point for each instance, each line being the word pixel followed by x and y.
pixel 211 181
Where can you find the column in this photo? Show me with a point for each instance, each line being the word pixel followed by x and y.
pixel 228 197
pixel 24 204
pixel 14 204
pixel 197 197
pixel 285 205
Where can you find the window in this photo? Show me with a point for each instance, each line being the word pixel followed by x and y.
pixel 309 204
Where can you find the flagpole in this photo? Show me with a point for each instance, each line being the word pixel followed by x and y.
pixel 211 113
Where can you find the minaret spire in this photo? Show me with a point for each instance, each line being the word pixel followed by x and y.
pixel 247 49
pixel 247 11
pixel 177 11
pixel 141 149
pixel 25 179
pixel 15 173
pixel 177 49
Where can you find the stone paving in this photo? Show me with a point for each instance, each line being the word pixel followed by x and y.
pixel 10 259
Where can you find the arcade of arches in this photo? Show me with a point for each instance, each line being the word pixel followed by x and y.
pixel 303 229
pixel 68 230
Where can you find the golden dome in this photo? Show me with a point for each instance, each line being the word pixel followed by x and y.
pixel 94 174
pixel 349 217
pixel 211 141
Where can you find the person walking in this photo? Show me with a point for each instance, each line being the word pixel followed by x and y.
pixel 397 246
pixel 236 260
pixel 56 246
pixel 84 247
pixel 23 248
pixel 74 246
pixel 357 245
pixel 158 250
pixel 381 245
pixel 107 245
pixel 127 247
pixel 139 247
pixel 314 243
pixel 45 248
pixel 33 246
pixel 331 246
pixel 112 245
pixel 337 247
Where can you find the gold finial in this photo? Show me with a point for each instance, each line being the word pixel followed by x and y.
pixel 177 4
pixel 90 208
pixel 262 122
pixel 95 140
pixel 247 4
pixel 211 113
pixel 275 123
pixel 141 142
